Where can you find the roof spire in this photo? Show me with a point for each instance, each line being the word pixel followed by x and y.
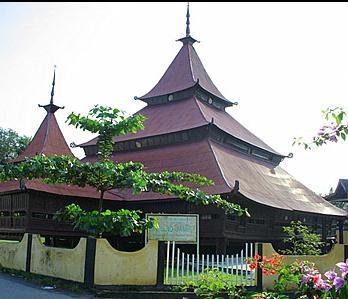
pixel 188 39
pixel 51 108
pixel 188 20
pixel 53 83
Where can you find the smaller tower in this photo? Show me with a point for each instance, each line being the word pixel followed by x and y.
pixel 49 139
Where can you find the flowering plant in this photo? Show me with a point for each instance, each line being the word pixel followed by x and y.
pixel 335 286
pixel 269 265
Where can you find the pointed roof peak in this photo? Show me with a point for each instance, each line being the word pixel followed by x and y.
pixel 48 139
pixel 185 71
pixel 188 39
pixel 51 107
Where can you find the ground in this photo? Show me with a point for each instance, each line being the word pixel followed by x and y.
pixel 16 288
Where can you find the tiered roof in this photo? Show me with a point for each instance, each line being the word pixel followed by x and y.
pixel 185 100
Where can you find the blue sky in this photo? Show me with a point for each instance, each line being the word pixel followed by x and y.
pixel 283 63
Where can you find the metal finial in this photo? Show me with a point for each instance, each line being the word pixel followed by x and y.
pixel 53 83
pixel 188 20
pixel 188 39
pixel 51 108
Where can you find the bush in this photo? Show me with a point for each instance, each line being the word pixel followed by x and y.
pixel 209 284
pixel 301 240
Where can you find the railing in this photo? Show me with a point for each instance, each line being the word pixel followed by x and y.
pixel 180 266
pixel 19 221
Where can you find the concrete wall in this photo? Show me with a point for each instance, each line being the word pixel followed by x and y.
pixel 345 236
pixel 323 262
pixel 58 262
pixel 13 255
pixel 113 267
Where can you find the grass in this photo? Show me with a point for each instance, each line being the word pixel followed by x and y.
pixel 235 278
pixel 9 241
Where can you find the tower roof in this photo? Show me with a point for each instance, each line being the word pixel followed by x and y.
pixel 185 71
pixel 187 114
pixel 49 139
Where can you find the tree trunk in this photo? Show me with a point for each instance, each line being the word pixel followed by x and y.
pixel 101 201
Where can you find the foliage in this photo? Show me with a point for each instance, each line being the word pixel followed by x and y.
pixel 300 240
pixel 105 175
pixel 266 295
pixel 289 276
pixel 334 287
pixel 11 144
pixel 209 284
pixel 107 122
pixel 269 266
pixel 119 223
pixel 335 128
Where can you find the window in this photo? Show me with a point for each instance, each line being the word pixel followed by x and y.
pixel 19 213
pixel 42 215
pixel 237 145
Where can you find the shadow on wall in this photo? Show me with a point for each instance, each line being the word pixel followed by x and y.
pixel 100 263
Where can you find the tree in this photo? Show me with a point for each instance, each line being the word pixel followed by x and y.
pixel 301 240
pixel 11 144
pixel 105 175
pixel 335 128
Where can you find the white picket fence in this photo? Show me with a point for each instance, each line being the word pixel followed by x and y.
pixel 180 265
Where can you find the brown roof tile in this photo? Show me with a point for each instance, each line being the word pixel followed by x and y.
pixel 187 114
pixel 269 185
pixel 260 182
pixel 59 189
pixel 184 72
pixel 48 140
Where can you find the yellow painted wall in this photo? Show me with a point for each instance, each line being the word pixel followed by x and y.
pixel 113 267
pixel 323 262
pixel 345 236
pixel 58 262
pixel 13 255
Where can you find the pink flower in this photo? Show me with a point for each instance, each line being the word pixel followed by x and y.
pixel 343 267
pixel 338 282
pixel 331 275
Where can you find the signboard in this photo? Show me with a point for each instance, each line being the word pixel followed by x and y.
pixel 175 227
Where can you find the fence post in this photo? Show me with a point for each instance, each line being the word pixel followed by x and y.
pixel 28 258
pixel 340 232
pixel 160 263
pixel 90 262
pixel 345 252
pixel 259 279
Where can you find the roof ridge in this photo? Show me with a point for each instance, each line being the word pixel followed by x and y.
pixel 200 110
pixel 46 133
pixel 190 61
